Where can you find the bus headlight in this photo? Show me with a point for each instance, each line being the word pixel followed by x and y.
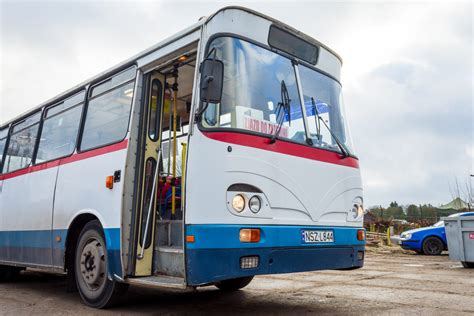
pixel 354 210
pixel 356 213
pixel 238 203
pixel 360 210
pixel 255 204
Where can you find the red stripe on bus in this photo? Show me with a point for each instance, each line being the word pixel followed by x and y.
pixel 76 157
pixel 283 147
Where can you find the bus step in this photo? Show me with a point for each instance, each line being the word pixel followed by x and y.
pixel 159 281
pixel 171 249
pixel 169 261
pixel 169 233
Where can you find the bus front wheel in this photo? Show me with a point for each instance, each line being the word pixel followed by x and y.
pixel 234 284
pixel 90 266
pixel 468 265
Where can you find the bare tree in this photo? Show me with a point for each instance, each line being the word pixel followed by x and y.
pixel 467 194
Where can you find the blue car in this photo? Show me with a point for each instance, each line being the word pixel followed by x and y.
pixel 428 240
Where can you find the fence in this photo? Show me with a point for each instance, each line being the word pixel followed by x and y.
pixel 375 238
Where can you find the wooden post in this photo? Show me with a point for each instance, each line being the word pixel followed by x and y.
pixel 389 242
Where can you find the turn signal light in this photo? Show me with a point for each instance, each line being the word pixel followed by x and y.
pixel 109 182
pixel 182 58
pixel 190 238
pixel 361 234
pixel 249 235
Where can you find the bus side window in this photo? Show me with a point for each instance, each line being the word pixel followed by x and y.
pixel 60 129
pixel 155 110
pixel 22 143
pixel 3 143
pixel 107 117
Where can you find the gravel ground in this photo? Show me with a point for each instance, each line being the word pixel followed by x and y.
pixel 390 283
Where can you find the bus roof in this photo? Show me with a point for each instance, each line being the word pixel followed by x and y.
pixel 130 61
pixel 281 25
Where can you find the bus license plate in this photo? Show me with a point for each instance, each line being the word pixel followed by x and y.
pixel 317 236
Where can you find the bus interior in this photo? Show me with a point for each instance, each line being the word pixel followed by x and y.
pixel 171 159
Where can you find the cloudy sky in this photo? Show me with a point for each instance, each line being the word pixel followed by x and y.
pixel 407 74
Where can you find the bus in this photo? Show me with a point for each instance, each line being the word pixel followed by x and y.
pixel 221 153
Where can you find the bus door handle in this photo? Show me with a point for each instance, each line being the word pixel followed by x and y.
pixel 155 176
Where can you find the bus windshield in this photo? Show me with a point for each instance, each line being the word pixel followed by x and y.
pixel 253 78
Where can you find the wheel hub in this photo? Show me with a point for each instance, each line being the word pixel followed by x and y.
pixel 92 265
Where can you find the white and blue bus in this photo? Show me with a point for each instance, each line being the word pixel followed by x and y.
pixel 219 154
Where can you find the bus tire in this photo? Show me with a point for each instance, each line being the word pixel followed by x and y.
pixel 90 266
pixel 432 246
pixel 9 273
pixel 234 284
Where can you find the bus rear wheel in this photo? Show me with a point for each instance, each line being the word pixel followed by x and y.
pixel 234 284
pixel 8 273
pixel 90 266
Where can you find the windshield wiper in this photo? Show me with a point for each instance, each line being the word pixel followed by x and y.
pixel 283 108
pixel 344 150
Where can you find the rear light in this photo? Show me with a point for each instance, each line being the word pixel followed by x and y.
pixel 360 255
pixel 361 234
pixel 249 235
pixel 249 262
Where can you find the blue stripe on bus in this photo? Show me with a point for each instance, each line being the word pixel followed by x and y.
pixel 112 238
pixel 219 236
pixel 40 247
pixel 216 252
pixel 43 238
pixel 30 238
pixel 205 266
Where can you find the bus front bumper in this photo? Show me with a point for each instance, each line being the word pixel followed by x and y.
pixel 217 254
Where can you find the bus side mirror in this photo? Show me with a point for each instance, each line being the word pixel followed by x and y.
pixel 212 77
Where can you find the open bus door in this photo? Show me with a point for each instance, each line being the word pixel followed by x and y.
pixel 150 176
pixel 159 228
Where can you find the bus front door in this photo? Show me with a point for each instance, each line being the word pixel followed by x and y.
pixel 150 176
